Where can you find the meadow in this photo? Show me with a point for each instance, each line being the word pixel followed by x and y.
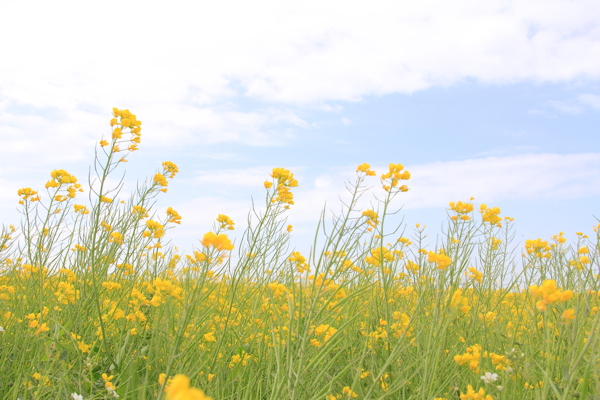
pixel 95 304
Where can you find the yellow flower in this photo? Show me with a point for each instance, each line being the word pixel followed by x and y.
pixel 394 175
pixel 209 337
pixel 161 378
pixel 326 331
pixel 225 222
pixel 461 208
pixel 373 218
pixel 285 181
pixel 173 216
pixel 219 242
pixel 490 215
pixel 180 389
pixel 66 293
pixel 568 315
pixel 349 392
pixel 584 260
pixel 141 211
pixel 364 167
pixel 170 168
pixel 441 260
pixel 476 275
pixel 473 395
pixel 161 180
pixel 154 228
pixel 81 209
pixel 85 348
pixel 42 328
pixel 26 193
pixel 116 237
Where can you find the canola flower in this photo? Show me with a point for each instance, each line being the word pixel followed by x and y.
pixel 95 303
pixel 179 389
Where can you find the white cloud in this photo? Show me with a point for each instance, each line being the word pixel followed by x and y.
pixel 590 100
pixel 567 107
pixel 234 178
pixel 575 105
pixel 184 68
pixel 527 176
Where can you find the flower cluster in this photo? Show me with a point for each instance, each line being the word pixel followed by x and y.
pixel 372 218
pixel 379 256
pixel 299 261
pixel 155 229
pixel 169 169
pixel 27 194
pixel 462 209
pixel 490 215
pixel 441 260
pixel 225 222
pixel 323 333
pixel 538 247
pixel 174 216
pixel 471 357
pixel 475 395
pixel 219 242
pixel 366 168
pixel 549 293
pixel 394 176
pixel 460 301
pixel 140 211
pixel 124 119
pixel 285 181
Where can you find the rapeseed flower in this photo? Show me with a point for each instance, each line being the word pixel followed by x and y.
pixel 219 242
pixel 568 315
pixel 364 167
pixel 538 247
pixel 549 293
pixel 490 215
pixel 27 194
pixel 225 222
pixel 372 218
pixel 441 260
pixel 174 216
pixel 473 395
pixel 179 389
pixel 116 237
pixel 461 207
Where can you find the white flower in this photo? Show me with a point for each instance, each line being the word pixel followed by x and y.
pixel 76 396
pixel 1 329
pixel 488 377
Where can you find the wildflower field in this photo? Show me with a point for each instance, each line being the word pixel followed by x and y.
pixel 95 305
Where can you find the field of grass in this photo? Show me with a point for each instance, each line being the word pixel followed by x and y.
pixel 93 304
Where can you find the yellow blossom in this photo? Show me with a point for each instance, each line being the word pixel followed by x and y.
pixel 219 242
pixel 364 167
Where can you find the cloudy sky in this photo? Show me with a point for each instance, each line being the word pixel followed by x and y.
pixel 499 100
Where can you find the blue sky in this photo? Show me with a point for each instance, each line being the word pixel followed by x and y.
pixel 497 100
